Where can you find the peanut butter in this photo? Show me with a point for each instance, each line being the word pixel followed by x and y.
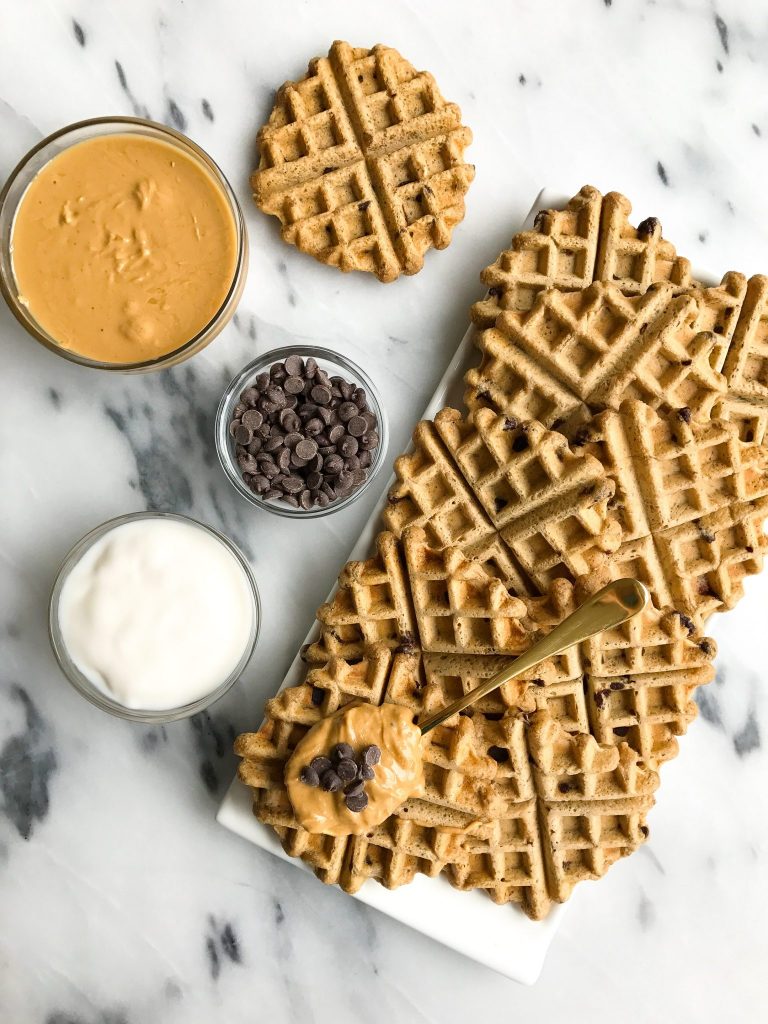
pixel 398 775
pixel 124 247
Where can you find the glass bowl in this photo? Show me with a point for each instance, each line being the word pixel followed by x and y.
pixel 89 690
pixel 13 192
pixel 335 365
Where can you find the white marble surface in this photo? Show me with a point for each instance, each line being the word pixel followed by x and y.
pixel 121 900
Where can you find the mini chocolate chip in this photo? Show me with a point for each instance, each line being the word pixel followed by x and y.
pixel 321 394
pixel 309 776
pixel 306 449
pixel 320 764
pixel 499 754
pixel 648 226
pixel 317 693
pixel 252 419
pixel 684 414
pixel 564 787
pixel 520 443
pixel 707 535
pixel 500 503
pixel 346 769
pixel 348 446
pixel 366 772
pixel 330 781
pixel 617 685
pixel 357 426
pixel 344 481
pixel 645 830
pixel 687 622
pixel 356 802
pixel 510 423
pixel 294 366
pixel 706 648
pixel 340 751
pixel 371 755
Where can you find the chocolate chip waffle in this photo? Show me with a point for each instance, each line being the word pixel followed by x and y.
pixel 595 348
pixel 548 502
pixel 746 366
pixel 371 605
pixel 591 239
pixel 362 162
pixel 691 499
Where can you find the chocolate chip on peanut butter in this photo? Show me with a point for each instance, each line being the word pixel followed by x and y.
pixel 344 770
pixel 302 436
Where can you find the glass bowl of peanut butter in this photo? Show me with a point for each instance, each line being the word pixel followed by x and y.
pixel 122 245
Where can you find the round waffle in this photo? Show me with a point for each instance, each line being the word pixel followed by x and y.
pixel 362 161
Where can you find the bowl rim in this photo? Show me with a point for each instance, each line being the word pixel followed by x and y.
pixel 229 301
pixel 83 685
pixel 223 440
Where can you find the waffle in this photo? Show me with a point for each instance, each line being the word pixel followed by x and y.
pixel 590 240
pixel 549 503
pixel 431 493
pixel 596 348
pixel 362 162
pixel 459 608
pixel 559 253
pixel 696 494
pixel 370 605
pixel 593 802
pixel 746 366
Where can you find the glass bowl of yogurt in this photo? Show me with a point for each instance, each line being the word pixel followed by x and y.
pixel 154 616
pixel 122 245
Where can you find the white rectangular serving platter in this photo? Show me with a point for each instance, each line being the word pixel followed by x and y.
pixel 502 938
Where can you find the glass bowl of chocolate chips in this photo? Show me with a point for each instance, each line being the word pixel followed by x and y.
pixel 301 432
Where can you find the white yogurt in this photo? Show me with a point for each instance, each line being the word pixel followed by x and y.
pixel 157 613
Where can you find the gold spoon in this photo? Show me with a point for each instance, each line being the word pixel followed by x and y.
pixel 609 607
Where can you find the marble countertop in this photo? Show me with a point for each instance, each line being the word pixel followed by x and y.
pixel 121 900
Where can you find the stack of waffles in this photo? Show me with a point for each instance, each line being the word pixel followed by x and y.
pixel 614 426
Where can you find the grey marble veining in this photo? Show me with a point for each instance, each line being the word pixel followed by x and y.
pixel 121 900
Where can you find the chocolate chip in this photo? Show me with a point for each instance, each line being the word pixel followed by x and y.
pixel 298 417
pixel 309 776
pixel 341 751
pixel 346 769
pixel 520 443
pixel 648 226
pixel 687 622
pixel 252 419
pixel 357 426
pixel 355 787
pixel 499 754
pixel 366 772
pixel 321 394
pixel 510 423
pixel 684 414
pixel 621 730
pixel 320 764
pixel 306 449
pixel 356 802
pixel 371 755
pixel 317 693
pixel 294 366
pixel 330 781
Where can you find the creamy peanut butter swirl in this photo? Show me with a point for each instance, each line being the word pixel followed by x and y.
pixel 398 775
pixel 124 248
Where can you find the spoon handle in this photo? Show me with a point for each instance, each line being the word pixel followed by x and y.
pixel 609 607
